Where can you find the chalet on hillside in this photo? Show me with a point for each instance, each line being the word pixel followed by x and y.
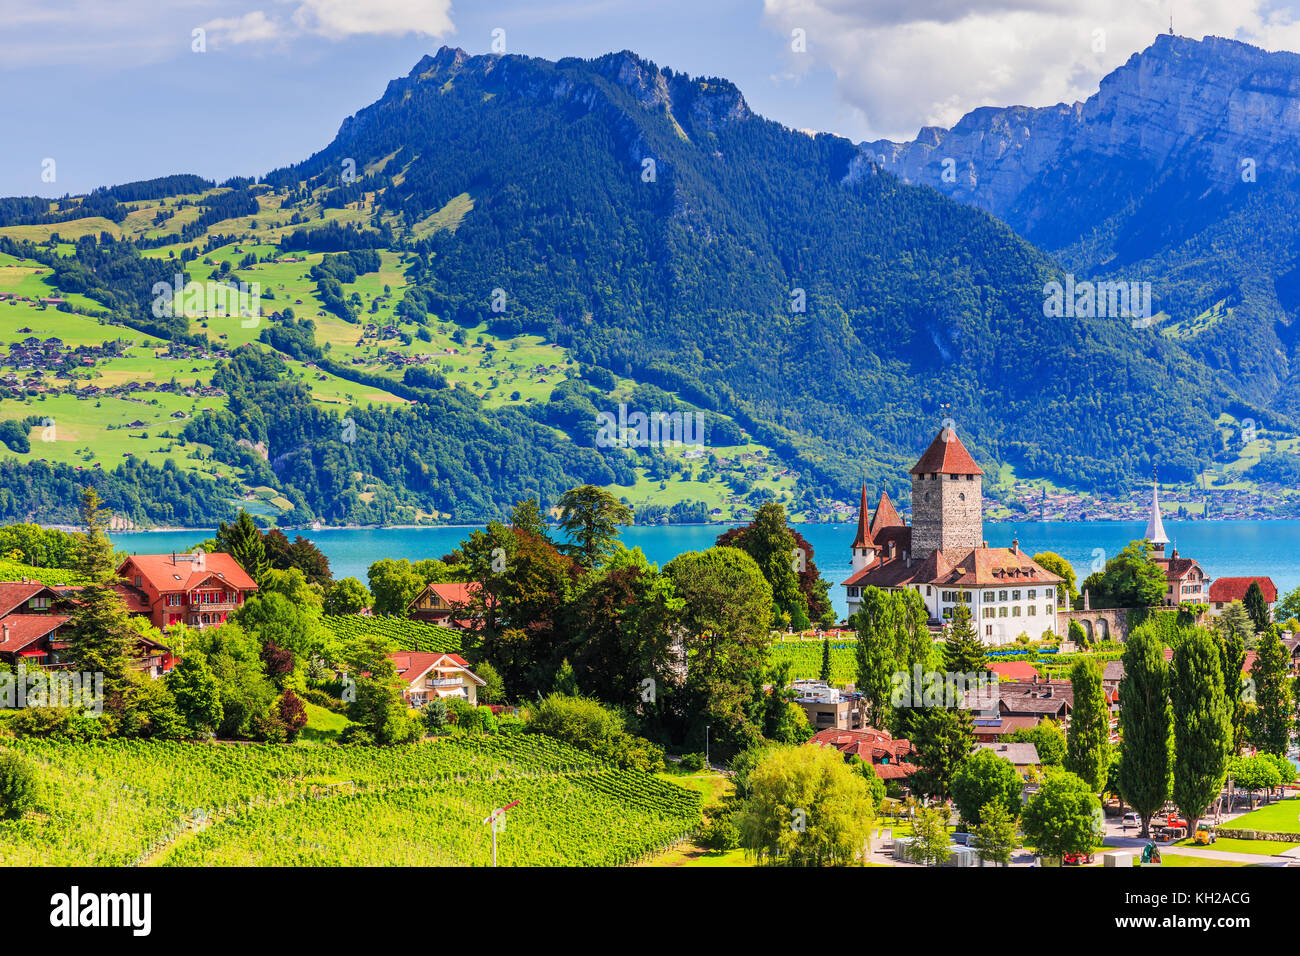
pixel 32 620
pixel 448 603
pixel 199 590
pixel 426 675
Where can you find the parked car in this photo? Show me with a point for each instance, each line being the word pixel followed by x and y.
pixel 1077 859
pixel 1131 820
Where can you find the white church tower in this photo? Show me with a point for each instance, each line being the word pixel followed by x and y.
pixel 1155 524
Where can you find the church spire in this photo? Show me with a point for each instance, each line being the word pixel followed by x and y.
pixel 863 539
pixel 1155 524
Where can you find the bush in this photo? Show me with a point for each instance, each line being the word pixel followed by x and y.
pixel 18 786
pixel 692 762
pixel 357 735
pixel 435 715
pixel 587 725
pixel 314 695
pixel 56 723
pixel 719 831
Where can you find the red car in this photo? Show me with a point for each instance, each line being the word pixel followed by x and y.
pixel 1076 859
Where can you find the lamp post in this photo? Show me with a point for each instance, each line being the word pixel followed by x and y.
pixel 706 746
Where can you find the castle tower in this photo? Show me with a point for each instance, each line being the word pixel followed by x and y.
pixel 947 499
pixel 864 547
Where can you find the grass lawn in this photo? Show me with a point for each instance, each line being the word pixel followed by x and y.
pixel 323 725
pixel 712 786
pixel 1280 816
pixel 1256 847
pixel 1178 861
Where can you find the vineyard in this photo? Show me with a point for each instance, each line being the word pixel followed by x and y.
pixel 16 571
pixel 406 635
pixel 119 803
pixel 805 659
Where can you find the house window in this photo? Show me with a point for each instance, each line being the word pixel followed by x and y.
pixel 1033 611
pixel 1002 595
pixel 989 597
pixel 1032 594
pixel 1048 610
pixel 928 590
pixel 1015 610
pixel 988 630
pixel 40 603
pixel 1002 612
pixel 988 612
pixel 1015 595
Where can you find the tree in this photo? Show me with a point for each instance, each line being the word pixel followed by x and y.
pixel 377 705
pixel 994 838
pixel 984 778
pixel 825 673
pixel 963 651
pixel 1271 674
pixel 1047 738
pixel 527 517
pixel 931 844
pixel 292 714
pixel 99 634
pixel 1064 816
pixel 494 690
pixel 622 628
pixel 806 807
pixel 198 697
pixel 725 616
pixel 943 739
pixel 1236 623
pixel 347 596
pixel 243 541
pixel 1202 726
pixel 1232 658
pixel 590 516
pixel 770 542
pixel 19 788
pixel 1289 606
pixel 1087 745
pixel 395 583
pixel 1130 579
pixel 1257 608
pixel 1146 754
pixel 875 653
pixel 1068 589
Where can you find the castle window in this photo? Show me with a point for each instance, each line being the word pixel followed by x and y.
pixel 1002 595
pixel 961 496
pixel 1002 612
pixel 1033 611
pixel 952 477
pixel 970 477
pixel 988 612
pixel 989 596
pixel 988 630
pixel 1033 593
pixel 1015 595
pixel 1015 611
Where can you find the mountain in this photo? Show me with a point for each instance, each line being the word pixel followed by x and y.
pixel 501 248
pixel 1181 170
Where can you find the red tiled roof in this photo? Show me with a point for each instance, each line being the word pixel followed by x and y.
pixel 886 515
pixel 169 573
pixel 870 745
pixel 1234 589
pixel 19 630
pixel 946 456
pixel 1015 670
pixel 15 593
pixel 413 664
pixel 979 568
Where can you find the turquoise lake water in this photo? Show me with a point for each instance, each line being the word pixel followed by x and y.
pixel 1223 548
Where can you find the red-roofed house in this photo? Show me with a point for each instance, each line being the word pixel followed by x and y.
pixel 428 675
pixel 1223 591
pixel 446 602
pixel 891 757
pixel 200 590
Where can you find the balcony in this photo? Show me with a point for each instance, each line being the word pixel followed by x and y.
pixel 443 682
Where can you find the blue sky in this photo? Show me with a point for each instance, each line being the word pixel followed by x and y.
pixel 113 92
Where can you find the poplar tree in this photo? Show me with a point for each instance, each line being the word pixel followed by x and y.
pixel 825 674
pixel 1087 745
pixel 1271 674
pixel 1147 753
pixel 1257 607
pixel 875 654
pixel 1232 657
pixel 1202 726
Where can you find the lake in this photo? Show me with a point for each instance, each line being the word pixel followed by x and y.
pixel 1223 548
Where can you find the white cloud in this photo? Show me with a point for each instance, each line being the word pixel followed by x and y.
pixel 250 28
pixel 342 18
pixel 899 66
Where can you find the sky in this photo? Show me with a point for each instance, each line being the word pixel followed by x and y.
pixel 98 92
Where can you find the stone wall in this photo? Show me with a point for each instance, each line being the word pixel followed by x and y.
pixel 1110 624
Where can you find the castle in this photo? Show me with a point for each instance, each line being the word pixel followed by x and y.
pixel 943 555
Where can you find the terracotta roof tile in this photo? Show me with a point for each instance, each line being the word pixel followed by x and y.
pixel 946 456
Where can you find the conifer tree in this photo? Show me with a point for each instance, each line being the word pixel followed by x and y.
pixel 1232 656
pixel 1202 726
pixel 825 674
pixel 1147 752
pixel 1271 674
pixel 244 542
pixel 875 654
pixel 1257 607
pixel 963 651
pixel 1087 745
